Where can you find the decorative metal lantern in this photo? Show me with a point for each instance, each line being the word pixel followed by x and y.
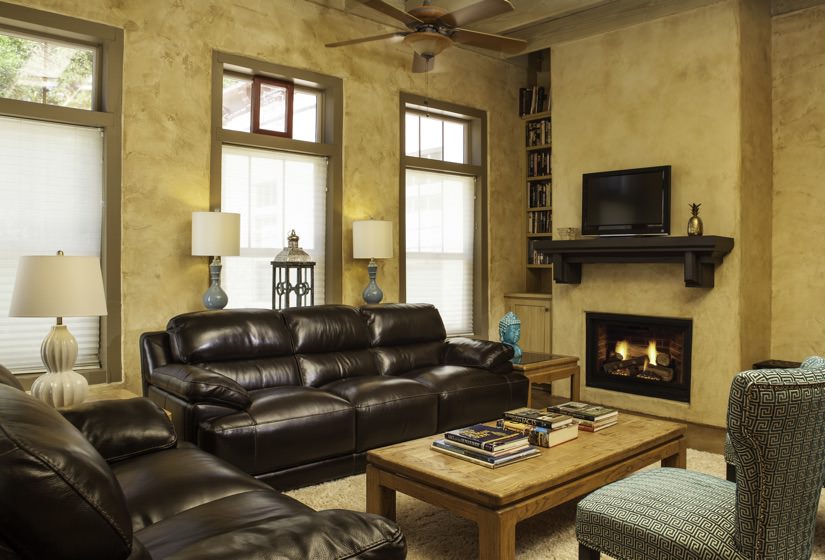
pixel 293 276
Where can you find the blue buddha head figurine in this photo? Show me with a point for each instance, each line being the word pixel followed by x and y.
pixel 509 331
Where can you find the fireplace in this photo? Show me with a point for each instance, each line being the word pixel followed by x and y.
pixel 638 354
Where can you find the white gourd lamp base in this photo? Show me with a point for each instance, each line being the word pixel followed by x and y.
pixel 60 385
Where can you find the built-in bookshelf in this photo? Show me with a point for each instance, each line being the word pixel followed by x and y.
pixel 539 184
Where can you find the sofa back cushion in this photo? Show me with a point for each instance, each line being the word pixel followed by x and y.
pixel 405 336
pixel 251 346
pixel 7 378
pixel 58 497
pixel 331 342
pixel 398 324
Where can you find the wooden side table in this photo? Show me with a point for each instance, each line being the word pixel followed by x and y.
pixel 544 368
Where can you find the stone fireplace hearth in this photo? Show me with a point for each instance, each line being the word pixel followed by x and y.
pixel 642 355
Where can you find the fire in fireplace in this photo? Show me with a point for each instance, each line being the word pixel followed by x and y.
pixel 639 354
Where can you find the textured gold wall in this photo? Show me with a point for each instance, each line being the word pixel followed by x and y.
pixel 167 57
pixel 663 92
pixel 798 327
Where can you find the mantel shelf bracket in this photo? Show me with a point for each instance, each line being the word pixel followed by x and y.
pixel 700 255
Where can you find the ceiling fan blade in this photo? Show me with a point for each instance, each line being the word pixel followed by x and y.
pixel 488 41
pixel 474 12
pixel 392 11
pixel 367 39
pixel 421 64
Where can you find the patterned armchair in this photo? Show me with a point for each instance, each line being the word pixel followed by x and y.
pixel 776 422
pixel 814 362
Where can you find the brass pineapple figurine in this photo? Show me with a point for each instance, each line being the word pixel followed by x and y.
pixel 694 226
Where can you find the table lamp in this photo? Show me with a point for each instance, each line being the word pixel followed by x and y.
pixel 372 239
pixel 58 286
pixel 215 234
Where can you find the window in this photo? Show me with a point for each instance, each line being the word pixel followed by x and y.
pixel 278 167
pixel 60 186
pixel 444 209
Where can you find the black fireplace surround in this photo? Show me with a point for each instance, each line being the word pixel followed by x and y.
pixel 642 355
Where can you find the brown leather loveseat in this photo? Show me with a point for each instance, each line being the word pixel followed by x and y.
pixel 299 396
pixel 108 480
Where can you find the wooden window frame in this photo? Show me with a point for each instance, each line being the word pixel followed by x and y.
pixel 257 81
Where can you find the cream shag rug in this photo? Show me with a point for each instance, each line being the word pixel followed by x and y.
pixel 435 534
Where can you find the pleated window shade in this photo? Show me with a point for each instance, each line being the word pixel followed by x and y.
pixel 440 221
pixel 274 192
pixel 51 198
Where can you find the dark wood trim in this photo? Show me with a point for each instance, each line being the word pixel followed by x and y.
pixel 257 82
pixel 699 255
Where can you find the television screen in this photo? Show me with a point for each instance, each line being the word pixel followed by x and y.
pixel 626 202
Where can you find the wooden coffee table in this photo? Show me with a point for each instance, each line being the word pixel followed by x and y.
pixel 497 499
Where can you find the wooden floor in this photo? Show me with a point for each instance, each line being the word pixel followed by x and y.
pixel 699 436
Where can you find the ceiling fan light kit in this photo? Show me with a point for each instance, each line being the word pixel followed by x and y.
pixel 427 43
pixel 432 29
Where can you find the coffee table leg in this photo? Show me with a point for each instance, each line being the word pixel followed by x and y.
pixel 380 499
pixel 679 460
pixel 497 536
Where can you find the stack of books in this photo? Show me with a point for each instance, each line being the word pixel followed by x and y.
pixel 543 428
pixel 489 446
pixel 590 417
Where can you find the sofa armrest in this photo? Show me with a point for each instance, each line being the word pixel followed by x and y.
pixel 121 429
pixel 196 384
pixel 484 354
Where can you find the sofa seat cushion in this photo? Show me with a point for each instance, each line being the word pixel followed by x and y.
pixel 468 395
pixel 161 485
pixel 271 525
pixel 283 427
pixel 387 409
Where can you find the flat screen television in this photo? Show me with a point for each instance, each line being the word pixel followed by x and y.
pixel 627 202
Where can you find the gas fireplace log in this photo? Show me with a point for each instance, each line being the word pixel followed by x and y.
pixel 663 373
pixel 631 363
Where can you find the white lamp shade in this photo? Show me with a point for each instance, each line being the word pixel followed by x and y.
pixel 372 239
pixel 58 286
pixel 216 234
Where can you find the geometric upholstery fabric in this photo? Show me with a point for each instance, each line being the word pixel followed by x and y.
pixel 776 428
pixel 662 513
pixel 776 423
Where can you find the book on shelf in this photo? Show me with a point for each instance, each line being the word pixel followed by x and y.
pixel 488 438
pixel 584 411
pixel 543 437
pixel 448 448
pixel 536 417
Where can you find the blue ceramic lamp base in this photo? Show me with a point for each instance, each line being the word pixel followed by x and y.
pixel 372 293
pixel 215 297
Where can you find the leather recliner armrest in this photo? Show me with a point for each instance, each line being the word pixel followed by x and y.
pixel 121 429
pixel 195 384
pixel 477 353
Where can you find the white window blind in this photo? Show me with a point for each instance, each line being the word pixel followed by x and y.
pixel 274 192
pixel 51 198
pixel 439 231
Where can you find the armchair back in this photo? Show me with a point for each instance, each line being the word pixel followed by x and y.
pixel 776 423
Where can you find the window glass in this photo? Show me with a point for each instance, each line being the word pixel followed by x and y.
pixel 274 106
pixel 439 225
pixel 411 127
pixel 432 141
pixel 455 141
pixel 305 115
pixel 237 103
pixel 51 198
pixel 433 137
pixel 274 192
pixel 46 71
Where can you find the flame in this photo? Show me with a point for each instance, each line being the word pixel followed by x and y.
pixel 651 352
pixel 621 349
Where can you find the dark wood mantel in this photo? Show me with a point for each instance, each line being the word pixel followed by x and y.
pixel 699 254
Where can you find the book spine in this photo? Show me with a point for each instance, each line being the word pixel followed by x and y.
pixel 469 441
pixel 528 420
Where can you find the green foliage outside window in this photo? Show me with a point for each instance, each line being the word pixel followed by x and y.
pixel 43 71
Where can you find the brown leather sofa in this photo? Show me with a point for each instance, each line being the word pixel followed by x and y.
pixel 108 480
pixel 299 396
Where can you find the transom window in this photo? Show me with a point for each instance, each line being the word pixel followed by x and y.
pixel 48 71
pixel 437 137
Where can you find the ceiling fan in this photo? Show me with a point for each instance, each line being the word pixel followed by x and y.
pixel 431 29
